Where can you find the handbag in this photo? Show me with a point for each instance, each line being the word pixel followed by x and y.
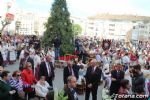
pixel 21 94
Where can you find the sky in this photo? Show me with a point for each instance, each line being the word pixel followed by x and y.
pixel 85 8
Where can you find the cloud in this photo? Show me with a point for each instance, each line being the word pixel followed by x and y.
pixel 91 7
pixel 39 2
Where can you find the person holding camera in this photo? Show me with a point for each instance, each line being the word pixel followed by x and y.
pixel 5 89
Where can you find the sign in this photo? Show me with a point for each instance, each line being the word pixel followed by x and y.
pixel 9 16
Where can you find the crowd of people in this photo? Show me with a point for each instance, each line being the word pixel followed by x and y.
pixel 125 66
pixel 122 67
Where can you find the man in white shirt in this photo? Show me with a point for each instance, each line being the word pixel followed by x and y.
pixel 125 59
pixel 32 51
pixel 98 57
pixel 52 54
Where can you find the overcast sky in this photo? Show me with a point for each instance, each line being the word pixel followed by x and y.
pixel 84 8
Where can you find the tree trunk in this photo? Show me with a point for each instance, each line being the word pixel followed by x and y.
pixel 3 26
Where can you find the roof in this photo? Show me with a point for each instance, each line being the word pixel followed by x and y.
pixel 120 17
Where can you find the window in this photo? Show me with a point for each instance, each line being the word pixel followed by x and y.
pixel 111 33
pixel 91 27
pixel 111 24
pixel 92 23
pixel 111 30
pixel 142 26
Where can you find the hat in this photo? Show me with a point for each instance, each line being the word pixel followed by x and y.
pixel 117 49
pixel 140 53
pixel 117 62
pixel 26 52
pixel 103 53
pixel 22 45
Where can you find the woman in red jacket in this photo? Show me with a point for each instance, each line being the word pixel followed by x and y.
pixel 28 78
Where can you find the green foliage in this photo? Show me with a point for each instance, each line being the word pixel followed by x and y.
pixel 76 29
pixel 59 25
pixel 61 96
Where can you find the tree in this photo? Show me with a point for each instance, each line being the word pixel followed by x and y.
pixel 4 24
pixel 76 29
pixel 59 25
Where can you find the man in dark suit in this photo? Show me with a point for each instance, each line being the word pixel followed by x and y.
pixel 68 71
pixel 1 57
pixel 70 89
pixel 26 59
pixel 93 76
pixel 116 76
pixel 47 70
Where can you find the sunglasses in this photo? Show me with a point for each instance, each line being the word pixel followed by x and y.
pixel 18 75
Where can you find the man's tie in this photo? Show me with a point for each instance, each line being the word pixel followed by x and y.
pixel 70 71
pixel 74 94
pixel 118 74
pixel 92 72
pixel 49 70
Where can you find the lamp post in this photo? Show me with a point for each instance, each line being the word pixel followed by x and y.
pixel 9 4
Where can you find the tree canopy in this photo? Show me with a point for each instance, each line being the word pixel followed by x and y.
pixel 59 25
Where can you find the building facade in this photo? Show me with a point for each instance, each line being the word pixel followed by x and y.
pixel 29 23
pixel 116 27
pixel 140 32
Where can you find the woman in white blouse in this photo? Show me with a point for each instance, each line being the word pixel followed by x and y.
pixel 42 87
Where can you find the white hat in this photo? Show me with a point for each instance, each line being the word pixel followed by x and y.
pixel 118 49
pixel 117 62
pixel 103 53
pixel 140 53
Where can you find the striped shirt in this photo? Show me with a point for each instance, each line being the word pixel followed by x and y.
pixel 18 84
